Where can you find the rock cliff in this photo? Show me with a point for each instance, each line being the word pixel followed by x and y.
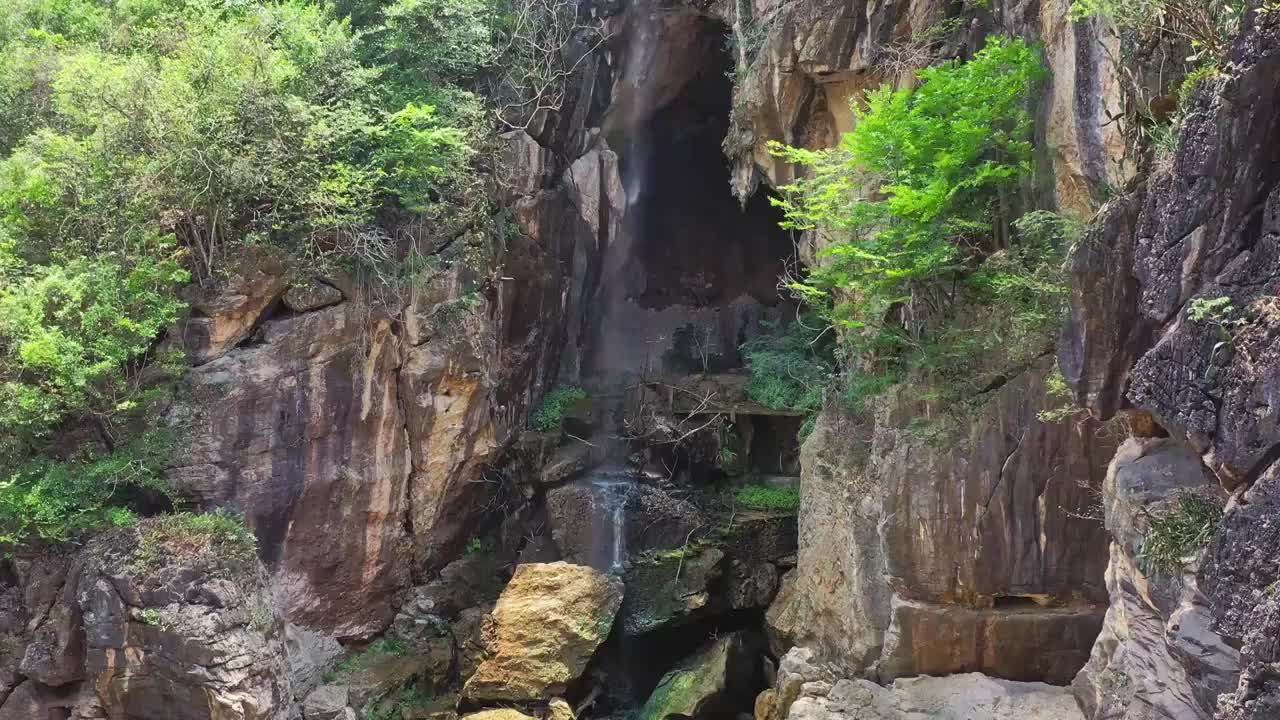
pixel 414 538
pixel 1145 335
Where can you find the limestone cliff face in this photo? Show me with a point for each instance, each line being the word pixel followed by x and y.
pixel 1200 234
pixel 353 434
pixel 806 60
pixel 974 553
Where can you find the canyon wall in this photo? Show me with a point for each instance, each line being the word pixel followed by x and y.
pixel 371 438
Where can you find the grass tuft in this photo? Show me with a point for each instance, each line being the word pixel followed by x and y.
pixel 1180 532
pixel 772 499
pixel 551 412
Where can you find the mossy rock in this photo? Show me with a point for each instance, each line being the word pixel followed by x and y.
pixel 756 536
pixel 656 598
pixel 710 682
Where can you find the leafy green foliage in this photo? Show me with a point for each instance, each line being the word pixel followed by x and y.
pixel 1210 310
pixel 918 265
pixel 1056 390
pixel 384 647
pixel 1219 313
pixel 771 499
pixel 1208 25
pixel 1180 532
pixel 58 499
pixel 239 123
pixel 401 703
pixel 555 404
pixel 476 546
pixel 142 142
pixel 790 364
pixel 68 333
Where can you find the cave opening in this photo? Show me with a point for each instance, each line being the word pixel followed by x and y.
pixel 697 270
pixel 695 245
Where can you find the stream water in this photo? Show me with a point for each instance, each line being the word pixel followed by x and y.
pixel 610 487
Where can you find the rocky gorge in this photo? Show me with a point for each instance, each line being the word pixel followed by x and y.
pixel 421 548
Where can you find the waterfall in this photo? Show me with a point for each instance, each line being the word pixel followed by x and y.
pixel 610 489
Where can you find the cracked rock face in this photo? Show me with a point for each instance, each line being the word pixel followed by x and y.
pixel 189 638
pixel 304 432
pixel 970 554
pixel 1158 654
pixel 1197 256
pixel 1183 326
pixel 353 439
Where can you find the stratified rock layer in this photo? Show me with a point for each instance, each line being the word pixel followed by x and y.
pixel 973 553
pixel 182 633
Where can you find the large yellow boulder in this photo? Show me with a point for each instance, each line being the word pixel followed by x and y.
pixel 544 629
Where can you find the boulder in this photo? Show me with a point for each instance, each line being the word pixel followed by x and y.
pixel 328 702
pixel 584 517
pixel 311 295
pixel 711 682
pixel 468 634
pixel 543 630
pixel 806 691
pixel 560 709
pixel 311 655
pixel 498 714
pixel 672 588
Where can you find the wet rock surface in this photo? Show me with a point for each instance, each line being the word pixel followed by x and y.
pixel 708 683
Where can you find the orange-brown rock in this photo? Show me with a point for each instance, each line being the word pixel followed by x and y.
pixel 546 626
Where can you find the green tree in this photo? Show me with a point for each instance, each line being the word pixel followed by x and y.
pixel 142 142
pixel 912 211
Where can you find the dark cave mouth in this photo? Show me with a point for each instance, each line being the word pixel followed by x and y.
pixel 693 243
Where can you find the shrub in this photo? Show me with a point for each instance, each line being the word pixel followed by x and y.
pixel 791 364
pixel 1208 25
pixel 550 412
pixel 68 335
pixel 920 267
pixel 1181 531
pixel 49 499
pixel 772 499
pixel 383 647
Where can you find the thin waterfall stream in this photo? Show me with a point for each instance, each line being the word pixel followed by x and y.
pixel 610 487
